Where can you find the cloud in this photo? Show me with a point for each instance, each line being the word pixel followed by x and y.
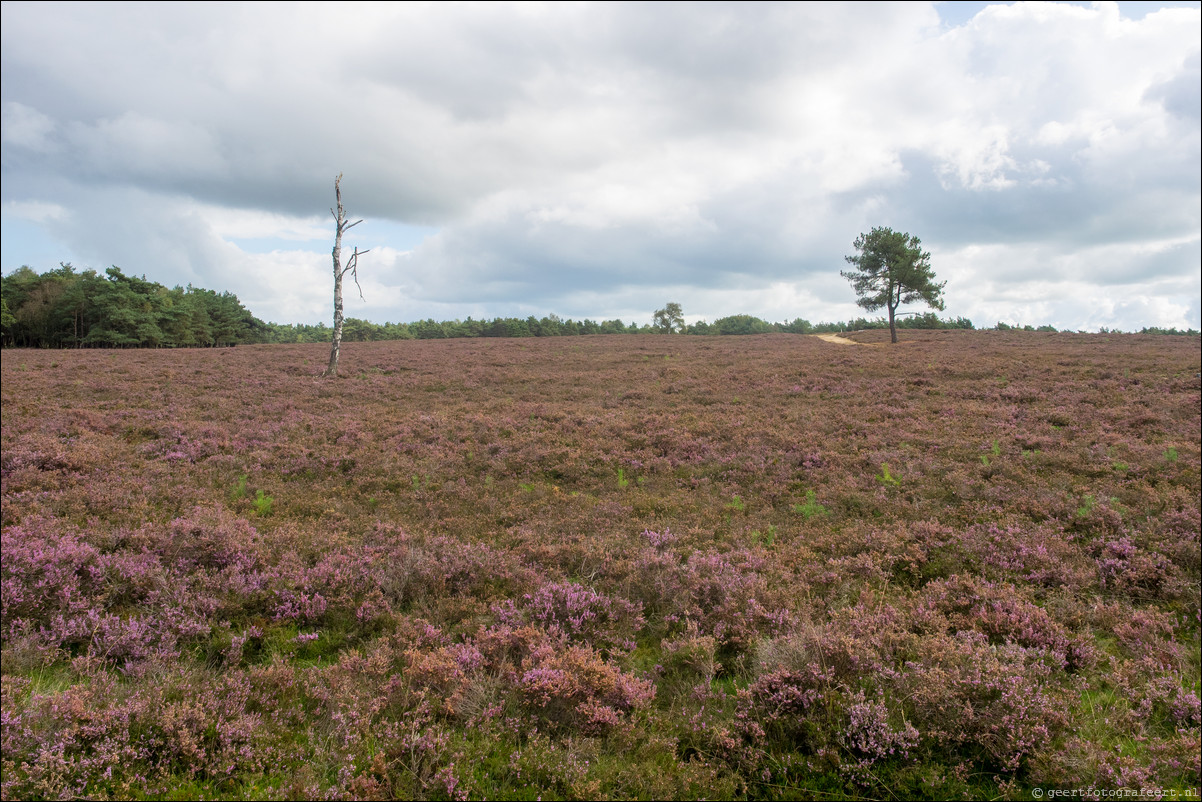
pixel 592 159
pixel 1126 287
pixel 25 129
pixel 1179 94
pixel 144 150
pixel 34 211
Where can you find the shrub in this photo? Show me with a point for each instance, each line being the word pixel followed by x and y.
pixel 1000 703
pixel 579 613
pixel 576 689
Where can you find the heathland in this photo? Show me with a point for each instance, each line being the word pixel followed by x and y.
pixel 608 566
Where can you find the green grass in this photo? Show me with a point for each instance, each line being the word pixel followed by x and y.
pixel 262 503
pixel 810 508
pixel 623 482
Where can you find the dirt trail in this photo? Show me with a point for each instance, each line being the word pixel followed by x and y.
pixel 835 338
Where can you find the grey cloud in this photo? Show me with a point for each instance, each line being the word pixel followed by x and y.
pixel 1075 204
pixel 1179 94
pixel 1179 260
pixel 574 152
pixel 746 237
pixel 25 129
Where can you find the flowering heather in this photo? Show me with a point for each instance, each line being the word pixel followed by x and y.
pixel 578 613
pixel 636 566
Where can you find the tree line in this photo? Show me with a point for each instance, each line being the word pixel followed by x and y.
pixel 65 308
pixel 62 308
pixel 357 330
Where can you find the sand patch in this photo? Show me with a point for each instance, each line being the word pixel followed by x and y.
pixel 835 338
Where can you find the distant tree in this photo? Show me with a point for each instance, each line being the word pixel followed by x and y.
pixel 429 329
pixel 507 327
pixel 740 324
pixel 357 331
pixel 7 320
pixel 927 320
pixel 669 319
pixel 891 269
pixel 352 267
pixel 613 327
pixel 798 326
pixel 550 326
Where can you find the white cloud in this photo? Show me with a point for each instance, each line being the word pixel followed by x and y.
pixel 610 153
pixel 34 211
pixel 25 128
pixel 230 223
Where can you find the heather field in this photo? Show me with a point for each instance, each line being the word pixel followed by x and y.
pixel 765 567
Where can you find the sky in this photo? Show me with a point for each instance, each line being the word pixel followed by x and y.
pixel 600 160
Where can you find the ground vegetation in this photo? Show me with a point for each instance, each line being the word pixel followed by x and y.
pixel 761 567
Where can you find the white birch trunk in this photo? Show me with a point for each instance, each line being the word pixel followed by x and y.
pixel 352 266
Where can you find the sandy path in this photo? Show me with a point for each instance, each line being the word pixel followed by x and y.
pixel 835 338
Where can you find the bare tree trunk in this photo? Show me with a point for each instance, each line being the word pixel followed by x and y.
pixel 336 343
pixel 894 302
pixel 352 266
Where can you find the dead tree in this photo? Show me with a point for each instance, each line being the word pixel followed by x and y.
pixel 352 267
